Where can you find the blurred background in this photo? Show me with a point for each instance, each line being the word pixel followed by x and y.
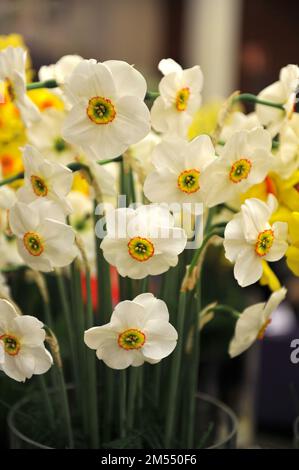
pixel 240 44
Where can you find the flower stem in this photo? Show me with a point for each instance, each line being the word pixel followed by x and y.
pixel 69 325
pixel 65 406
pixel 254 99
pixel 78 322
pixel 199 250
pixel 152 95
pixel 54 346
pixel 123 402
pixel 175 373
pixel 45 84
pixel 47 401
pixel 133 383
pixel 92 377
pixel 225 309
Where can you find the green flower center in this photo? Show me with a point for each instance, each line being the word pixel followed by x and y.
pixel 39 186
pixel 33 243
pixel 240 170
pixel 141 249
pixel 264 242
pixel 60 145
pixel 182 98
pixel 131 339
pixel 100 110
pixel 11 344
pixel 188 181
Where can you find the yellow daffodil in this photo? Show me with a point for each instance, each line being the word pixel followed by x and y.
pixel 205 120
pixel 269 278
pixel 45 99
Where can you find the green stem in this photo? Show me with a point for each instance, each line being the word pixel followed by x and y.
pixel 47 401
pixel 45 84
pixel 173 407
pixel 69 324
pixel 133 384
pixel 254 99
pixel 194 366
pixel 123 402
pixel 78 322
pixel 199 250
pixel 152 95
pixel 65 407
pixel 92 378
pixel 225 309
pixel 110 160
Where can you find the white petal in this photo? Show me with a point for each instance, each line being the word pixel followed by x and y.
pixel 22 219
pixel 167 66
pixel 248 267
pixel 127 79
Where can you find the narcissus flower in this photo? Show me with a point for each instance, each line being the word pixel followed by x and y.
pixel 287 157
pixel 179 166
pixel 283 92
pixel 139 331
pixel 44 179
pixel 140 155
pixel 253 322
pixel 108 113
pixel 44 240
pixel 46 136
pixel 180 98
pixel 239 122
pixel 244 161
pixel 22 340
pixel 12 72
pixel 249 238
pixel 142 242
pixel 60 71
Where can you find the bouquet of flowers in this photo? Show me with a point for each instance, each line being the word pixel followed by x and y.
pixel 110 196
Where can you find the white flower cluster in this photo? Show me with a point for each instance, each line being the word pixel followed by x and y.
pixel 105 116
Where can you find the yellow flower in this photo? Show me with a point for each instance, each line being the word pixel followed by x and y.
pixel 80 183
pixel 288 191
pixel 205 120
pixel 45 99
pixel 11 126
pixel 269 278
pixel 11 162
pixel 292 253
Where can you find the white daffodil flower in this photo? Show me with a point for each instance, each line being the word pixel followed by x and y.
pixel 287 157
pixel 253 322
pixel 44 240
pixel 9 254
pixel 81 219
pixel 142 242
pixel 46 136
pixel 249 239
pixel 141 155
pixel 44 180
pixel 108 113
pixel 60 71
pixel 283 92
pixel 12 73
pixel 139 331
pixel 239 122
pixel 180 98
pixel 22 338
pixel 179 165
pixel 244 161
